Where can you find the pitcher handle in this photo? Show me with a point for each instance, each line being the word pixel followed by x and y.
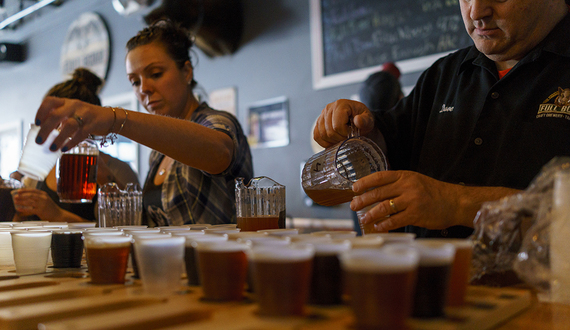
pixel 354 131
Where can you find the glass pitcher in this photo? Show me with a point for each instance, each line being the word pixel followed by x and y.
pixel 260 204
pixel 76 173
pixel 328 176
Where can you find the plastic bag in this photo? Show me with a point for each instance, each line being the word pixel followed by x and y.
pixel 511 234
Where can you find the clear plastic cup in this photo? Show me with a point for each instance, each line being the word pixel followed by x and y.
pixel 159 262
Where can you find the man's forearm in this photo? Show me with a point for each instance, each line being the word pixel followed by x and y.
pixel 472 198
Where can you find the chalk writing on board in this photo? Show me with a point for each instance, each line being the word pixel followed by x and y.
pixel 358 34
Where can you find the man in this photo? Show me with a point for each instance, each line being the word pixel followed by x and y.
pixel 479 124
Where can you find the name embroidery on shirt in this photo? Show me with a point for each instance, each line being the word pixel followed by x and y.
pixel 446 109
pixel 557 105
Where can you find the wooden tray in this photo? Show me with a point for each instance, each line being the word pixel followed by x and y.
pixel 66 300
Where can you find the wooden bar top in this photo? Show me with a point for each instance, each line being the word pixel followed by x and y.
pixel 65 299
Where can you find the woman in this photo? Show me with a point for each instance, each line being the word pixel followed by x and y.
pixel 43 202
pixel 197 151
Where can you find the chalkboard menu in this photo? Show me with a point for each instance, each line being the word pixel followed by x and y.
pixel 360 34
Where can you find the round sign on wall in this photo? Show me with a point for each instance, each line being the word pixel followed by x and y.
pixel 86 45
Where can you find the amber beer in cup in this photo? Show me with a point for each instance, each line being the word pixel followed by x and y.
pixel 326 281
pixel 107 258
pixel 381 284
pixel 459 277
pixel 281 278
pixel 76 173
pixel 222 268
pixel 436 259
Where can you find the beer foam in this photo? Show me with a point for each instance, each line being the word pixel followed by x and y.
pixel 279 254
pixel 221 246
pixel 105 242
pixel 380 260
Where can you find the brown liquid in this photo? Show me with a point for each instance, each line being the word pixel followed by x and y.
pixel 66 250
pixel 191 266
pixel 7 210
pixel 326 283
pixel 108 265
pixel 459 278
pixel 282 288
pixel 77 178
pixel 257 223
pixel 223 274
pixel 381 300
pixel 330 197
pixel 431 291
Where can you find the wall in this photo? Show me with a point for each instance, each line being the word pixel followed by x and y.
pixel 274 61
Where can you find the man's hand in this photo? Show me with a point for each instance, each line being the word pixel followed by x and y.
pixel 411 198
pixel 333 125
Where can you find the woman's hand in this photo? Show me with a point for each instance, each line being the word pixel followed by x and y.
pixel 30 201
pixel 75 120
pixel 333 125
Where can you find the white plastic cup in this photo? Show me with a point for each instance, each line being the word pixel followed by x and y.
pixel 31 250
pixel 37 160
pixel 6 252
pixel 160 263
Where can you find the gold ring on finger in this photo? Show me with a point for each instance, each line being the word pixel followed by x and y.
pixel 393 206
pixel 79 120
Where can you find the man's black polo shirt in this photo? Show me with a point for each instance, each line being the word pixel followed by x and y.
pixel 462 124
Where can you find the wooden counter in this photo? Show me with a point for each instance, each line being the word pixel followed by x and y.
pixel 65 299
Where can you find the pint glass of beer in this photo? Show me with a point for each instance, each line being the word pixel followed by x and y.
pixel 76 173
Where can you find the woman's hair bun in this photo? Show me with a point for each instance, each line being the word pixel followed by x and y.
pixel 87 78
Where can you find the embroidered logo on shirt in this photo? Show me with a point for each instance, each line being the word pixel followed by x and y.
pixel 557 105
pixel 446 109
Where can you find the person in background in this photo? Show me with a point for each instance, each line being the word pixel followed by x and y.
pixel 197 151
pixel 43 203
pixel 380 92
pixel 479 124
